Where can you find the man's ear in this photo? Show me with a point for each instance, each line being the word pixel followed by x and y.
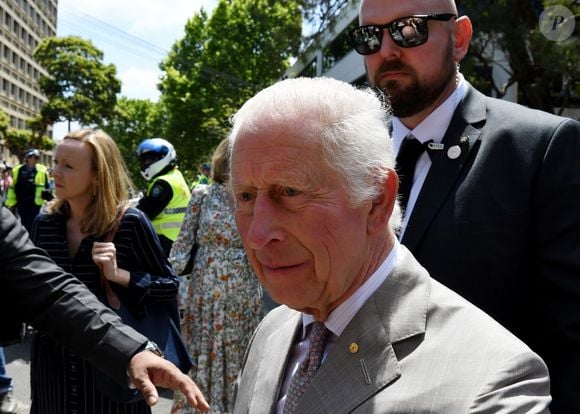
pixel 462 37
pixel 384 203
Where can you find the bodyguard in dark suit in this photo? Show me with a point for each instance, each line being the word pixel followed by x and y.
pixel 494 206
pixel 36 291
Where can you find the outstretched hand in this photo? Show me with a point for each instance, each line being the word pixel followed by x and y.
pixel 146 370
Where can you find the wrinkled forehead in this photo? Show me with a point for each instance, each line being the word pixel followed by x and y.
pixel 384 11
pixel 301 128
pixel 278 147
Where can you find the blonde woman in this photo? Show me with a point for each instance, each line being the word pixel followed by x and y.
pixel 92 188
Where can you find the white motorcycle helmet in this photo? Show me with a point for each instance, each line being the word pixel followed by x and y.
pixel 154 155
pixel 32 153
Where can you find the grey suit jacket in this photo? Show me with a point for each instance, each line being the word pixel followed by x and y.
pixel 421 349
pixel 500 225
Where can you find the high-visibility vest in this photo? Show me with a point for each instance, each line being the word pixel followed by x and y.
pixel 40 185
pixel 169 221
pixel 201 179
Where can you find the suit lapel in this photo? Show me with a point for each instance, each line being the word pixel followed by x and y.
pixel 445 169
pixel 352 375
pixel 351 378
pixel 273 362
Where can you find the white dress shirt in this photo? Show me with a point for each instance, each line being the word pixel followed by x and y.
pixel 433 127
pixel 336 322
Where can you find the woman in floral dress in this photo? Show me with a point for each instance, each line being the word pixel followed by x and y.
pixel 222 300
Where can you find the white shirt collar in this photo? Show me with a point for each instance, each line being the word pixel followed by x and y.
pixel 340 317
pixel 434 126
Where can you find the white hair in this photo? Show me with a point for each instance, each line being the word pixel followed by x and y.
pixel 350 123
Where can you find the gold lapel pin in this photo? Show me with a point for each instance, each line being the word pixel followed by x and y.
pixel 353 348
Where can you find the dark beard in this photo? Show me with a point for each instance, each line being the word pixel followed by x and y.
pixel 410 100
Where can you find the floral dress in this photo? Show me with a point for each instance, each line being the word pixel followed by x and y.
pixel 222 300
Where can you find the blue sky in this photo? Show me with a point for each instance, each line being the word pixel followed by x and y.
pixel 134 35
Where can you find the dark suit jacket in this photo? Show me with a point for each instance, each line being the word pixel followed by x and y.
pixel 420 349
pixel 500 225
pixel 35 290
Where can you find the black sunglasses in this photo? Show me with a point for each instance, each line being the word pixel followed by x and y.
pixel 408 31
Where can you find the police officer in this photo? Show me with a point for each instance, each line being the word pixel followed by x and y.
pixel 204 176
pixel 30 188
pixel 168 194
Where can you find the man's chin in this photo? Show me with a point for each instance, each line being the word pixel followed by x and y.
pixel 403 104
pixel 293 301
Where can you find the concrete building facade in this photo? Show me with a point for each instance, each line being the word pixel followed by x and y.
pixel 333 55
pixel 23 24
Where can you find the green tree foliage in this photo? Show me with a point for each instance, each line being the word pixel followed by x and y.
pixel 221 62
pixel 547 72
pixel 4 122
pixel 133 121
pixel 20 140
pixel 17 141
pixel 321 15
pixel 78 85
pixel 37 127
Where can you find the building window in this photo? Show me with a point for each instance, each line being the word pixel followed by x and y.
pixel 310 70
pixel 338 48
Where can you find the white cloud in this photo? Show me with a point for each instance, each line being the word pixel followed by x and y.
pixel 140 83
pixel 155 22
pixel 60 129
pixel 129 24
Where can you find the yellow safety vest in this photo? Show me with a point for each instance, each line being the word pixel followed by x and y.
pixel 169 221
pixel 39 184
pixel 201 179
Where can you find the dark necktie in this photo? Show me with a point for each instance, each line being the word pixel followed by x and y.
pixel 307 369
pixel 410 151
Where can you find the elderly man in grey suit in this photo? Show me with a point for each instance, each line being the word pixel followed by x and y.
pixel 363 328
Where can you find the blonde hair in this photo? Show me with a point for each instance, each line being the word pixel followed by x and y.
pixel 220 167
pixel 113 188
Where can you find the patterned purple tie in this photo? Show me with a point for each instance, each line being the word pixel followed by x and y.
pixel 307 369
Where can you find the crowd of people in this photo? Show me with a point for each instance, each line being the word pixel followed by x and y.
pixel 421 237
